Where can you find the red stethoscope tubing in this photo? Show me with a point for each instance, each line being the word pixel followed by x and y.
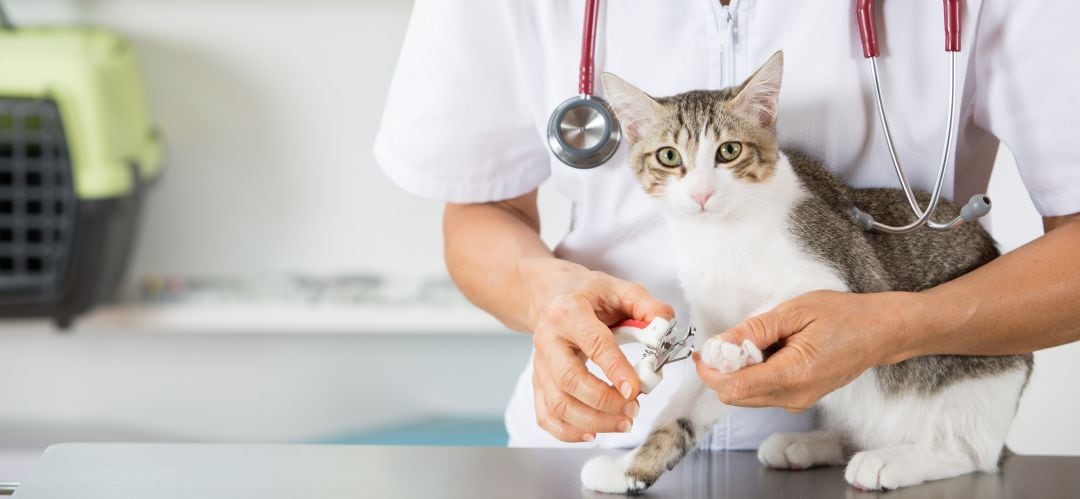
pixel 978 205
pixel 864 14
pixel 587 69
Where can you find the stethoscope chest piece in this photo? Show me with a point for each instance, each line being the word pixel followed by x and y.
pixel 583 132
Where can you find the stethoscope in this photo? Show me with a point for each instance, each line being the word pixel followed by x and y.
pixel 584 133
pixel 979 204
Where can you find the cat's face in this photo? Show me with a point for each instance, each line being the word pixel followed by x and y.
pixel 703 154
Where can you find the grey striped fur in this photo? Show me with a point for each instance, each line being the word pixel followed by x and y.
pixel 874 261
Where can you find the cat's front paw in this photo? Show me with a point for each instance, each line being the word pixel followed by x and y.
pixel 607 474
pixel 799 451
pixel 729 357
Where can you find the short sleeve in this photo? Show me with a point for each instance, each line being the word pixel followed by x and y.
pixel 1027 94
pixel 456 126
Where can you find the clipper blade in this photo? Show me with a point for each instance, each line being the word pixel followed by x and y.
pixel 672 346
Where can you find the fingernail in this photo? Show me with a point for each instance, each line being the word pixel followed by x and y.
pixel 588 437
pixel 624 427
pixel 625 389
pixel 631 409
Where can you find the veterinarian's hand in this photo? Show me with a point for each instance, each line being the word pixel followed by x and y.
pixel 826 340
pixel 573 312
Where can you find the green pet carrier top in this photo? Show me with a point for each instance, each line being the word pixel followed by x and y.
pixel 76 153
pixel 92 77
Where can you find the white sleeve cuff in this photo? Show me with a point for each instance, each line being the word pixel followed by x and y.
pixel 1060 203
pixel 518 180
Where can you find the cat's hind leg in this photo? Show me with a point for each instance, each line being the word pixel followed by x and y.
pixel 799 451
pixel 930 436
pixel 904 465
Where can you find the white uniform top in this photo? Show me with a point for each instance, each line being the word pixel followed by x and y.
pixel 477 80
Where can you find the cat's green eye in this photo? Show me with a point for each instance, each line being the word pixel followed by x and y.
pixel 728 152
pixel 669 157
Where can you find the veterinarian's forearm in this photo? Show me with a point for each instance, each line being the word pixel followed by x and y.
pixel 487 247
pixel 1023 301
pixel 496 257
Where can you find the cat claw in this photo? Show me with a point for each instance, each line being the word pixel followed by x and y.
pixel 729 357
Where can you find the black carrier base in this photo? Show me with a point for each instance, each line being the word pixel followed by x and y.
pixel 59 255
pixel 103 238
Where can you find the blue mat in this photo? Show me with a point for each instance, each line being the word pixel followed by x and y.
pixel 472 432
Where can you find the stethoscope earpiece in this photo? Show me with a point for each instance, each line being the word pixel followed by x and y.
pixel 862 218
pixel 977 207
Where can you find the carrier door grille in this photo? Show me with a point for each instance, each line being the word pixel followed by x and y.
pixel 37 201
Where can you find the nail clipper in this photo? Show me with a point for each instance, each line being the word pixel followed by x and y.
pixel 664 344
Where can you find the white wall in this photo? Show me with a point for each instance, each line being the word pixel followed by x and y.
pixel 269 107
pixel 1049 410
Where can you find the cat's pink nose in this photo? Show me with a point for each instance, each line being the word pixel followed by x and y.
pixel 701 198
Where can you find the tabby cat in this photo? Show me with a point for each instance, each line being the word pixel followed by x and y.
pixel 754 226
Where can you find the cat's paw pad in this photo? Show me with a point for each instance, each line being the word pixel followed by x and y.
pixel 884 469
pixel 607 474
pixel 799 451
pixel 729 357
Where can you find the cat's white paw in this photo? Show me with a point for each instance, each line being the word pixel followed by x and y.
pixel 729 357
pixel 799 451
pixel 884 469
pixel 607 474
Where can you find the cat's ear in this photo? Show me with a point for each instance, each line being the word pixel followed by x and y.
pixel 634 108
pixel 759 96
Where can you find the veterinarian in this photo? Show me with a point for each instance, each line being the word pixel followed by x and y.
pixel 465 124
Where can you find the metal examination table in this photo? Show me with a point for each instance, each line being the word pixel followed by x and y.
pixel 121 471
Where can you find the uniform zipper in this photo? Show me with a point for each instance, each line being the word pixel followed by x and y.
pixel 726 22
pixel 729 52
pixel 727 79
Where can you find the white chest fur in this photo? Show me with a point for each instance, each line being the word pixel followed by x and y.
pixel 729 275
pixel 734 267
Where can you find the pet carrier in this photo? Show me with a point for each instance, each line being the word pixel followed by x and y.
pixel 76 151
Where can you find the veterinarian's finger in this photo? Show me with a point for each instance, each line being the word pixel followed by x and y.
pixel 598 343
pixel 557 428
pixel 565 370
pixel 757 384
pixel 565 407
pixel 793 401
pixel 638 303
pixel 766 329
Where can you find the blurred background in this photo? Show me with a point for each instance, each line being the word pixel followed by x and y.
pixel 280 288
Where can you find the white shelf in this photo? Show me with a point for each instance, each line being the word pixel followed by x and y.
pixel 283 319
